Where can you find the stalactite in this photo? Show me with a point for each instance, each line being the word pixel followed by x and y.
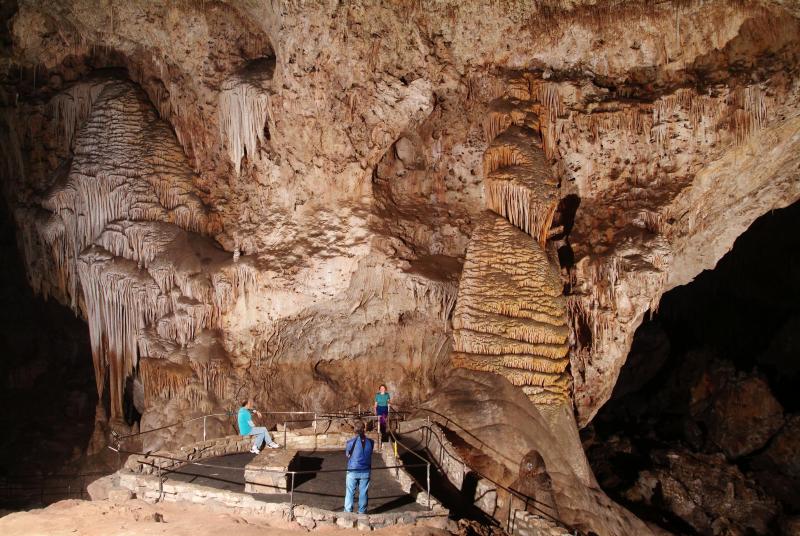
pixel 519 182
pixel 243 110
pixel 10 147
pixel 70 108
pixel 518 88
pixel 163 378
pixel 121 235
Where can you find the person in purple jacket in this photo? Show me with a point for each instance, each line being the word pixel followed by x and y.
pixel 359 465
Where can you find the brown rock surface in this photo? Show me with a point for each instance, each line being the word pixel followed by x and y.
pixel 288 117
pixel 706 492
pixel 743 417
pixel 497 414
pixel 783 450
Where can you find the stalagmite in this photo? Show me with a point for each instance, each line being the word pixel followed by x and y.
pixel 510 315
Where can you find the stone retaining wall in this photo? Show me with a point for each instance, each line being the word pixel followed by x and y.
pixel 406 481
pixel 196 451
pixel 146 487
pixel 267 472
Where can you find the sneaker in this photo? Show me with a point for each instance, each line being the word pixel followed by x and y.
pixel 254 450
pixel 273 445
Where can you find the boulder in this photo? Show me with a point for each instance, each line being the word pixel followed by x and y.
pixel 790 526
pixel 705 491
pixel 743 417
pixel 777 468
pixel 782 452
pixel 98 490
pixel 119 495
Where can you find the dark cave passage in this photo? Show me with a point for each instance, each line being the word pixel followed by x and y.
pixel 703 429
pixel 47 387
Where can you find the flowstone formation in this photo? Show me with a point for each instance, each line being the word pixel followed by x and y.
pixel 126 228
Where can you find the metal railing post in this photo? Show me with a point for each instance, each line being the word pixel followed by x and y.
pixel 508 518
pixel 291 500
pixel 428 478
pixel 160 484
pixel 284 434
pixel 204 427
pixel 315 424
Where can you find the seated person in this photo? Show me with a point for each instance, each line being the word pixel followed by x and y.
pixel 246 427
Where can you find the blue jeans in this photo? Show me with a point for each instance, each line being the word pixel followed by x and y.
pixel 353 478
pixel 261 435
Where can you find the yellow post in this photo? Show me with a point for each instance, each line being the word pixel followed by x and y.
pixel 395 449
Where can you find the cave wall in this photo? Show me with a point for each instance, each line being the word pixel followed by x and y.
pixel 308 215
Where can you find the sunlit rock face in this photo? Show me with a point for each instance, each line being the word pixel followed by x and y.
pixel 278 199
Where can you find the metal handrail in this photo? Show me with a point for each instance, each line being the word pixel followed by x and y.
pixel 257 469
pixel 528 500
pixel 317 416
pixel 449 421
pixel 44 488
pixel 166 426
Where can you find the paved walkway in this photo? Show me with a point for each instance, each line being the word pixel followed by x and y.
pixel 321 490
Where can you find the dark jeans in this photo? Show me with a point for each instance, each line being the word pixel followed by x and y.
pixel 383 414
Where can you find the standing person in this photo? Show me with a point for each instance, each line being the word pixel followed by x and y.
pixel 246 427
pixel 359 465
pixel 382 407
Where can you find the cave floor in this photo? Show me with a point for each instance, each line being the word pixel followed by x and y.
pixel 321 490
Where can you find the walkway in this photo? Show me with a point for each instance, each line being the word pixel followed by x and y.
pixel 322 490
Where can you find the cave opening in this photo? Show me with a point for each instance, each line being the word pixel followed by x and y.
pixel 48 394
pixel 703 426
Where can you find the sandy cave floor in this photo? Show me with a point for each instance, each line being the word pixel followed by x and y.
pixel 136 517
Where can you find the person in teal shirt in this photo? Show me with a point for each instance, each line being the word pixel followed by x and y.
pixel 382 407
pixel 248 428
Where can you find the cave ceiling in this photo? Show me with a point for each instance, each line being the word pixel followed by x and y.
pixel 280 197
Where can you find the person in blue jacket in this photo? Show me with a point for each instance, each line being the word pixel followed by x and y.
pixel 359 465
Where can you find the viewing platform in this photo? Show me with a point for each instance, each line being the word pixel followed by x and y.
pixel 304 480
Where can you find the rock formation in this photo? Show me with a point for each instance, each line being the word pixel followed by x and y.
pixel 298 201
pixel 510 315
